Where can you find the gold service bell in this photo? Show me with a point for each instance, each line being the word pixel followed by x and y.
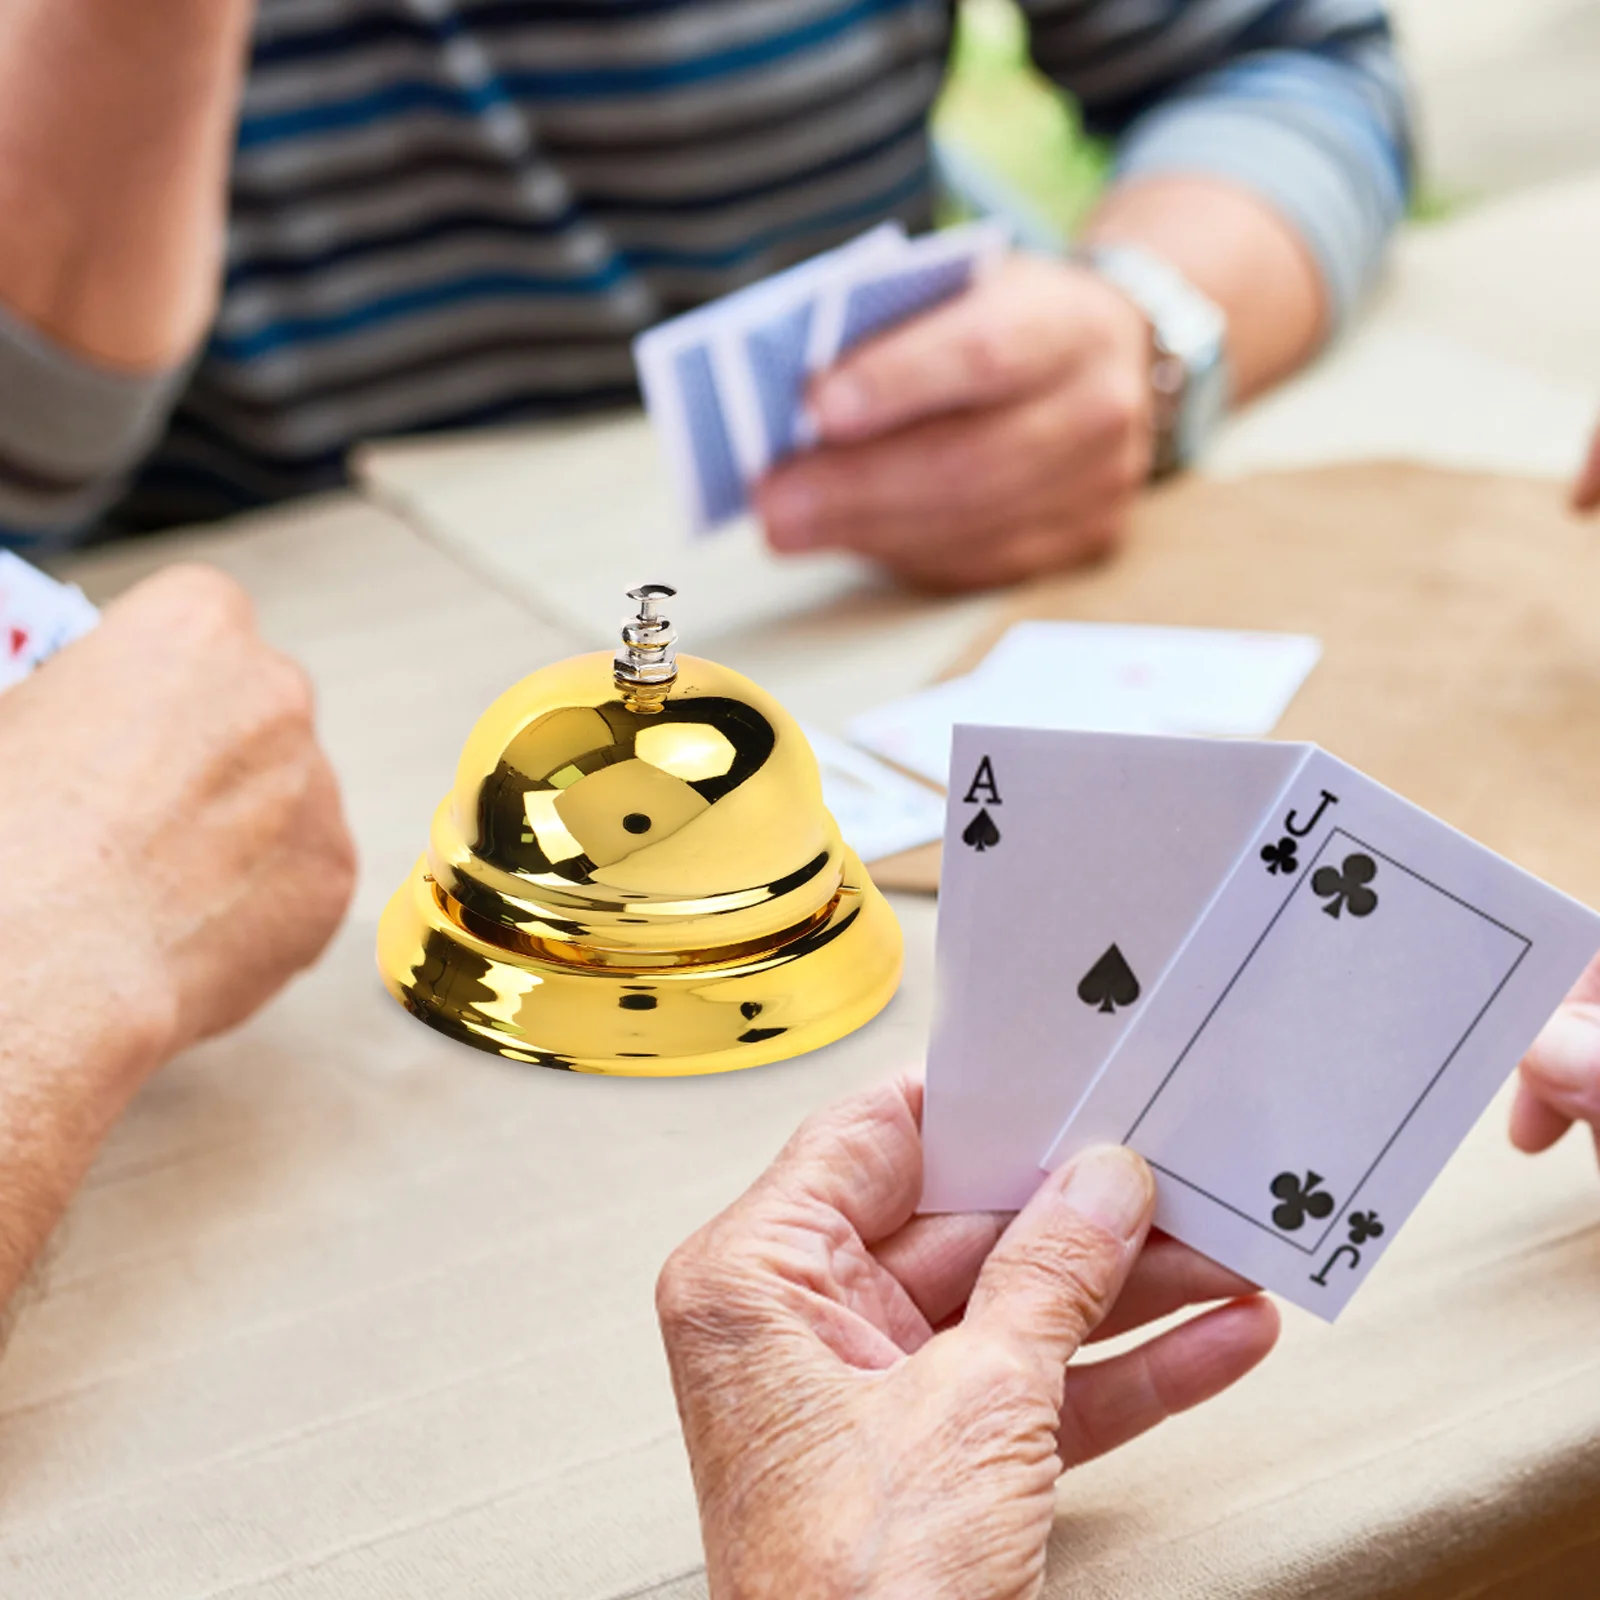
pixel 635 874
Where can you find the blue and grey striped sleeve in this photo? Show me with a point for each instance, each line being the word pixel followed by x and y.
pixel 1301 101
pixel 70 433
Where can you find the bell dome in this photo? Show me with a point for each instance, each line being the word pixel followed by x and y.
pixel 635 873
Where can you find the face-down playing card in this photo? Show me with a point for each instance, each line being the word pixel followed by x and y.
pixel 881 282
pixel 780 340
pixel 726 384
pixel 880 291
pixel 1347 1008
pixel 1075 865
pixel 706 402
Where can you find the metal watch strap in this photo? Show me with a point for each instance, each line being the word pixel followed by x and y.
pixel 1188 331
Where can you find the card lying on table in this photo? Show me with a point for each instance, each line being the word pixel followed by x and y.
pixel 38 617
pixel 880 812
pixel 1290 990
pixel 1102 677
pixel 725 384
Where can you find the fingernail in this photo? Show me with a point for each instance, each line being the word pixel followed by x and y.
pixel 1565 1058
pixel 1109 1186
pixel 843 403
pixel 789 509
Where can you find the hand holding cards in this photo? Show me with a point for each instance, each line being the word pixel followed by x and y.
pixel 1290 990
pixel 726 384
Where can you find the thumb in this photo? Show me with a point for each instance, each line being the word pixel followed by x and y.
pixel 1563 1067
pixel 1060 1266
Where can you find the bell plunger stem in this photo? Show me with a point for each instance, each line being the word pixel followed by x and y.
pixel 647 665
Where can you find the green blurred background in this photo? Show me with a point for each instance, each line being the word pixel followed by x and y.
pixel 1013 122
pixel 1018 126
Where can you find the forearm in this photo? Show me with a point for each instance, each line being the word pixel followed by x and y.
pixel 1257 141
pixel 116 123
pixel 82 1019
pixel 72 1050
pixel 1238 251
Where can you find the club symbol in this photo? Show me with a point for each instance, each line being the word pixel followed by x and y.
pixel 1347 890
pixel 1109 983
pixel 981 832
pixel 1301 1197
pixel 1282 857
pixel 1364 1225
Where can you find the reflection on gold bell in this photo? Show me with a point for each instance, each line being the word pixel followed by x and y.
pixel 635 874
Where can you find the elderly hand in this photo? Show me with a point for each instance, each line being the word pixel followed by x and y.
pixel 1560 1075
pixel 1004 434
pixel 173 840
pixel 879 1404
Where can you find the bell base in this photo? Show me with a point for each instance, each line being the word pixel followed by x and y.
pixel 674 1022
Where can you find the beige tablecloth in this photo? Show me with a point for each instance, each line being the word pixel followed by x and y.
pixel 348 1311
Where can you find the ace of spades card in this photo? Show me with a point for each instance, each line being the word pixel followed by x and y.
pixel 1348 1005
pixel 1075 865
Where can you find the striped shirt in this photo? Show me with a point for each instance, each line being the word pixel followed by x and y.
pixel 450 212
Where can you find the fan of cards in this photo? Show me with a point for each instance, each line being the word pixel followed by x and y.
pixel 38 617
pixel 1292 991
pixel 725 385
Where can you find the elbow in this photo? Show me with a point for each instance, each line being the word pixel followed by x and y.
pixel 71 432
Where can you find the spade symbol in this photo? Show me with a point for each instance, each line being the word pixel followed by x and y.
pixel 981 832
pixel 1109 983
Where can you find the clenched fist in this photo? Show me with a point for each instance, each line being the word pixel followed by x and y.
pixel 172 850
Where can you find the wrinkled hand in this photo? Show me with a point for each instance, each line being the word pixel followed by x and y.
pixel 1560 1075
pixel 842 1444
pixel 163 796
pixel 1004 434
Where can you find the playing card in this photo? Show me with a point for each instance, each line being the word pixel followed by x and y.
pixel 1345 1010
pixel 776 359
pixel 1223 682
pixel 38 617
pixel 764 340
pixel 1108 677
pixel 703 400
pixel 880 811
pixel 678 376
pixel 1075 866
pixel 878 292
pixel 725 384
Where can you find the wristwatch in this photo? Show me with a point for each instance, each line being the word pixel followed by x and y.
pixel 1189 369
